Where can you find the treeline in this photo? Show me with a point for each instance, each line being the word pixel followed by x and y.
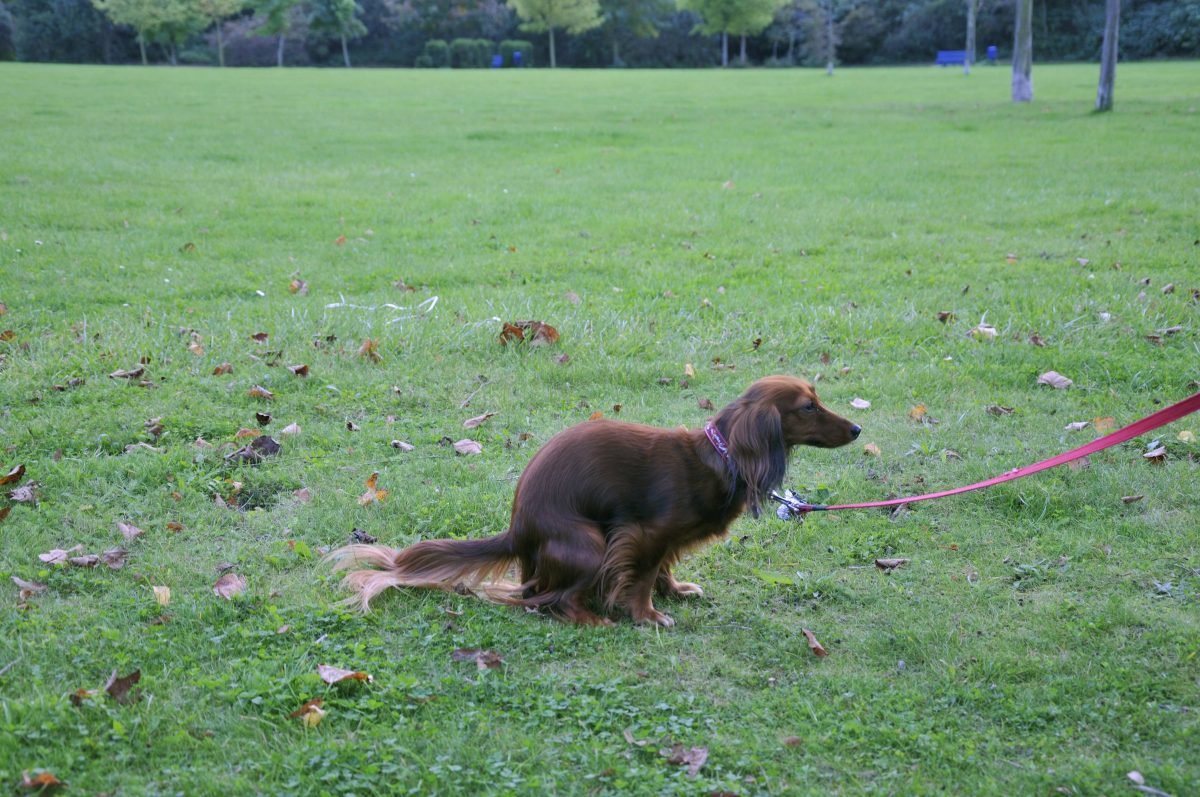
pixel 584 33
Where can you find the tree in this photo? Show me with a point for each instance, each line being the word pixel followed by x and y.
pixel 277 21
pixel 216 12
pixel 1108 55
pixel 338 18
pixel 635 16
pixel 544 16
pixel 169 21
pixel 739 17
pixel 1022 75
pixel 972 10
pixel 8 48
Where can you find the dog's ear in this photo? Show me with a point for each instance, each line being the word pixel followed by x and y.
pixel 757 447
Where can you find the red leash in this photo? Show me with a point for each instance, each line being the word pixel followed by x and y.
pixel 1147 424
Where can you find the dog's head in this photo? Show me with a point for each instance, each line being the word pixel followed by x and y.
pixel 773 415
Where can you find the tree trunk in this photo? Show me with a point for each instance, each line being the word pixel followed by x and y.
pixel 220 45
pixel 142 47
pixel 279 52
pixel 616 52
pixel 172 58
pixel 831 48
pixel 972 7
pixel 791 46
pixel 1022 76
pixel 743 54
pixel 1108 55
pixel 724 48
pixel 553 63
pixel 345 51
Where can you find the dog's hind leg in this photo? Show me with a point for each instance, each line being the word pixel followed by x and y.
pixel 562 577
pixel 668 587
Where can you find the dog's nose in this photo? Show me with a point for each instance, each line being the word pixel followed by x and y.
pixel 854 431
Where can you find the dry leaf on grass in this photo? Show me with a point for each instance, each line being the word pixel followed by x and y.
pixel 223 368
pixel 28 588
pixel 333 675
pixel 535 333
pixel 890 564
pixel 484 659
pixel 303 495
pixel 918 412
pixel 229 585
pixel 813 644
pixel 298 286
pixel 87 560
pixel 403 446
pixel 860 403
pixel 14 475
pixel 1130 499
pixel 115 558
pixel 258 391
pixel 1077 426
pixel 291 428
pixel 298 370
pixel 310 713
pixel 129 531
pixel 370 350
pixel 43 782
pixel 25 494
pixel 478 420
pixel 373 493
pixel 120 689
pixel 1104 424
pixel 468 447
pixel 260 337
pixel 983 331
pixel 945 316
pixel 1055 380
pixel 872 450
pixel 1186 436
pixel 58 556
pixel 705 404
pixel 691 757
pixel 1156 456
pixel 162 595
pixel 132 373
pixel 351 426
pixel 998 410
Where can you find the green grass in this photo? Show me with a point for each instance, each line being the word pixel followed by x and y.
pixel 1042 647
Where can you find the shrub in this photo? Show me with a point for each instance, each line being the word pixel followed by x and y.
pixel 484 49
pixel 510 46
pixel 423 62
pixel 462 54
pixel 438 52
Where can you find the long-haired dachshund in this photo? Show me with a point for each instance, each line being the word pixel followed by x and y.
pixel 605 509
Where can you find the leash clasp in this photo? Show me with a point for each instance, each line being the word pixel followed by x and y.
pixel 792 506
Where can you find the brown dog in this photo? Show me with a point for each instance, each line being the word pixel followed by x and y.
pixel 605 509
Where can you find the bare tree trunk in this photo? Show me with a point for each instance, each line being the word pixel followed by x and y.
pixel 345 51
pixel 142 47
pixel 831 46
pixel 553 63
pixel 279 52
pixel 1022 76
pixel 220 44
pixel 1108 55
pixel 972 7
pixel 172 58
pixel 791 46
pixel 616 51
pixel 724 48
pixel 743 54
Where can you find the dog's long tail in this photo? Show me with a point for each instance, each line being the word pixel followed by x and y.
pixel 477 566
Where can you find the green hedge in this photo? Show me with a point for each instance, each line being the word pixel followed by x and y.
pixel 510 46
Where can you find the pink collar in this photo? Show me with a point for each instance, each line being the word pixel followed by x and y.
pixel 718 441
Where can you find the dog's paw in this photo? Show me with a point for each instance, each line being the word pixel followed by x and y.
pixel 655 617
pixel 686 589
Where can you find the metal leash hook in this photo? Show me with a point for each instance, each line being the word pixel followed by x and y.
pixel 792 506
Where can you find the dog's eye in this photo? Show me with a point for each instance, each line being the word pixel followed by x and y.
pixel 809 406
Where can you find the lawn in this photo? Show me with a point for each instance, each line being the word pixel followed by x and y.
pixel 1043 638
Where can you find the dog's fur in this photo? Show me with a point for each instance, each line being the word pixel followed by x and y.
pixel 605 509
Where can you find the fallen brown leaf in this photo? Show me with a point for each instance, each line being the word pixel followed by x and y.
pixel 245 432
pixel 298 370
pixel 115 558
pixel 692 757
pixel 291 428
pixel 535 333
pixel 998 410
pixel 860 403
pixel 175 525
pixel 1130 499
pixel 339 241
pixel 351 426
pixel 255 451
pixel 1037 340
pixel 132 373
pixel 358 535
pixel 478 420
pixel 403 446
pixel 119 688
pixel 468 447
pixel 1104 424
pixel 705 404
pixel 1157 456
pixel 41 782
pixel 1055 380
pixel 370 350
pixel 792 741
pixel 595 416
pixel 223 368
pixel 14 475
pixel 890 564
pixel 25 494
pixel 87 560
pixel 260 337
pixel 302 495
pixel 59 556
pixel 918 412
pixel 872 449
pixel 372 494
pixel 333 675
pixel 258 391
pixel 813 644
pixel 484 659
pixel 310 713
pixel 28 588
pixel 229 585
pixel 298 286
